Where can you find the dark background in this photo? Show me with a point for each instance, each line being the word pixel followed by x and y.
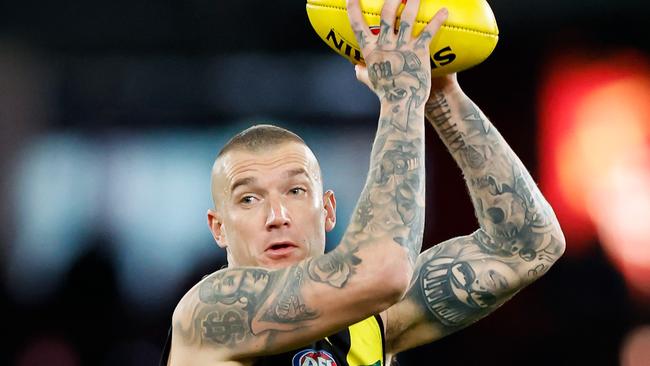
pixel 112 70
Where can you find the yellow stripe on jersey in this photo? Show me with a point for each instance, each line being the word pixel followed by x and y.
pixel 365 343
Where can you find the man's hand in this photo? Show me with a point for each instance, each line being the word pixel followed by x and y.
pixel 446 83
pixel 398 63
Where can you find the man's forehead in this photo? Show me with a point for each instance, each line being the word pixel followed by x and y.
pixel 279 157
pixel 292 159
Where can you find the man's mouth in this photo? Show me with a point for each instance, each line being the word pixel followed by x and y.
pixel 280 249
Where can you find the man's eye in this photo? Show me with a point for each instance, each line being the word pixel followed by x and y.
pixel 247 200
pixel 297 190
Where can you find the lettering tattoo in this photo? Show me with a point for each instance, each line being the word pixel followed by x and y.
pixel 404 34
pixel 423 40
pixel 438 113
pixel 360 35
pixel 437 285
pixel 384 31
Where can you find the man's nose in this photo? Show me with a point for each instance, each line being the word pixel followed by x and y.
pixel 277 215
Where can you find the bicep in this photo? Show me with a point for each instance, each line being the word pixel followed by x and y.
pixel 455 284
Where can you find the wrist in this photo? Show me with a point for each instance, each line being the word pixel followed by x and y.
pixel 447 84
pixel 404 109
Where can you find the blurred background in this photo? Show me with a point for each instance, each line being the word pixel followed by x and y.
pixel 111 113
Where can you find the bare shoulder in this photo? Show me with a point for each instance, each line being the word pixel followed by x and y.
pixel 216 314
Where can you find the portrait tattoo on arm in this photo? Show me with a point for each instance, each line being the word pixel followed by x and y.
pixel 461 283
pixel 463 279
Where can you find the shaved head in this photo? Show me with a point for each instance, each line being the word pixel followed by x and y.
pixel 258 139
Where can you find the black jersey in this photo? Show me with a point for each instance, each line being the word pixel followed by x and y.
pixel 360 344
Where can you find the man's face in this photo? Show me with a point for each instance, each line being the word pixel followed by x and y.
pixel 479 283
pixel 271 211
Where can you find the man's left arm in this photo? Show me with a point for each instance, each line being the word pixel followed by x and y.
pixel 464 279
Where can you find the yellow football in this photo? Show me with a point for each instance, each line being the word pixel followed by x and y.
pixel 466 39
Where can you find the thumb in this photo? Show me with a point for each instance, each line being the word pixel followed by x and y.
pixel 362 75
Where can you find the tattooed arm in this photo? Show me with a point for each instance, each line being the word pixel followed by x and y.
pixel 461 280
pixel 241 313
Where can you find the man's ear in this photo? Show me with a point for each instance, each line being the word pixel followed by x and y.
pixel 329 204
pixel 216 228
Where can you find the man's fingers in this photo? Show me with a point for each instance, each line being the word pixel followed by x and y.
pixel 387 23
pixel 410 11
pixel 358 23
pixel 407 19
pixel 435 23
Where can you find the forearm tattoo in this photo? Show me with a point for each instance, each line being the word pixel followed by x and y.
pixel 463 279
pixel 509 206
pixel 392 202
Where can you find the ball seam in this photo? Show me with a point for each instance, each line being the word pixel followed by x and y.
pixel 417 21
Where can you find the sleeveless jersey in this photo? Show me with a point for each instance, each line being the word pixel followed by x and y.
pixel 361 344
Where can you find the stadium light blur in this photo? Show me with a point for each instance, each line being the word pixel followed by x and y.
pixel 595 157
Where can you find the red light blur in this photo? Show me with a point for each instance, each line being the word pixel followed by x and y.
pixel 595 157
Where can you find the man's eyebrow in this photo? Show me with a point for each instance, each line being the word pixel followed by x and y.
pixel 298 171
pixel 242 182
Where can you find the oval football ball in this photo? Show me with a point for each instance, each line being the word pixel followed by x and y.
pixel 466 39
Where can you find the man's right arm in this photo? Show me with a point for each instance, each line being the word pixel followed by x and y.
pixel 240 313
pixel 245 312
